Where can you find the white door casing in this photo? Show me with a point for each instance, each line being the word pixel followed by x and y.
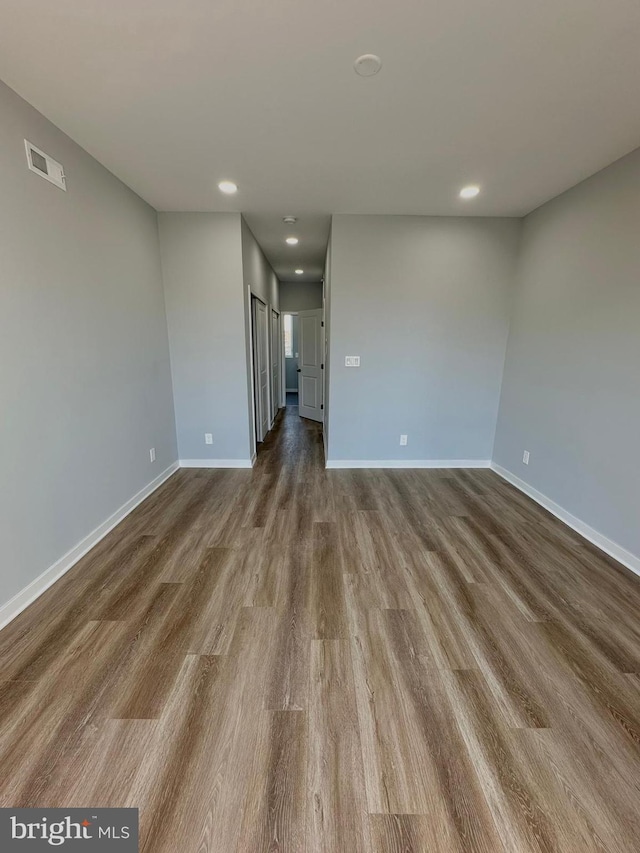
pixel 310 364
pixel 261 367
pixel 275 364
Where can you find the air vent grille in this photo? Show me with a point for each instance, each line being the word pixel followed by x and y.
pixel 45 166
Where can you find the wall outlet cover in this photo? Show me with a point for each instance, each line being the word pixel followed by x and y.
pixel 525 457
pixel 152 454
pixel 208 438
pixel 403 440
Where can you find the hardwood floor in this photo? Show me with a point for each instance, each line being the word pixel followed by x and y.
pixel 294 659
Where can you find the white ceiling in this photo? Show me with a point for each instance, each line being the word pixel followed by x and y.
pixel 524 97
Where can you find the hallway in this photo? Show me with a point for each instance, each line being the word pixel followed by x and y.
pixel 293 442
pixel 369 661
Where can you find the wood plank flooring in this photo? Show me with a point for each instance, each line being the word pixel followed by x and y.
pixel 292 659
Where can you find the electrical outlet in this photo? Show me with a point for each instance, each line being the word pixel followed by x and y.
pixel 152 454
pixel 208 438
pixel 525 457
pixel 403 440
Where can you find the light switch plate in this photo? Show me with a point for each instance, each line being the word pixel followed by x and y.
pixel 352 361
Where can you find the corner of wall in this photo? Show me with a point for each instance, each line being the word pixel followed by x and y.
pixel 510 310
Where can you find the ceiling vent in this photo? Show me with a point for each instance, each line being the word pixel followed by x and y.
pixel 45 166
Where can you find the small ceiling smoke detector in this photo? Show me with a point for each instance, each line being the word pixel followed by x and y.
pixel 292 241
pixel 367 65
pixel 289 220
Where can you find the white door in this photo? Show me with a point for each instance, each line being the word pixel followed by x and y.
pixel 261 367
pixel 310 364
pixel 275 364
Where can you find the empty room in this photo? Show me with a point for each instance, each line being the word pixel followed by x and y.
pixel 320 397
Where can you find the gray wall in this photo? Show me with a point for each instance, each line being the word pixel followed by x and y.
pixel 84 357
pixel 202 269
pixel 571 392
pixel 259 280
pixel 304 296
pixel 424 301
pixel 257 271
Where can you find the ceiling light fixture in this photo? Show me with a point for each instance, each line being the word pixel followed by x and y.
pixel 299 272
pixel 367 65
pixel 469 192
pixel 289 220
pixel 228 187
pixel 292 241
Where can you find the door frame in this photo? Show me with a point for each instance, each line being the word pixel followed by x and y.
pixel 274 347
pixel 254 368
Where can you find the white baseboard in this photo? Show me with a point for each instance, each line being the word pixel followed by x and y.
pixel 26 596
pixel 408 463
pixel 603 542
pixel 216 463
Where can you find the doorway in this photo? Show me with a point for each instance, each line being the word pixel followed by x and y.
pixel 290 351
pixel 303 347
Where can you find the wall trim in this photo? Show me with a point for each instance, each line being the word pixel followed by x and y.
pixel 34 590
pixel 408 463
pixel 603 542
pixel 216 463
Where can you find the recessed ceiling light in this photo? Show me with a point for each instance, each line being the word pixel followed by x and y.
pixel 292 241
pixel 469 192
pixel 228 187
pixel 367 65
pixel 299 272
